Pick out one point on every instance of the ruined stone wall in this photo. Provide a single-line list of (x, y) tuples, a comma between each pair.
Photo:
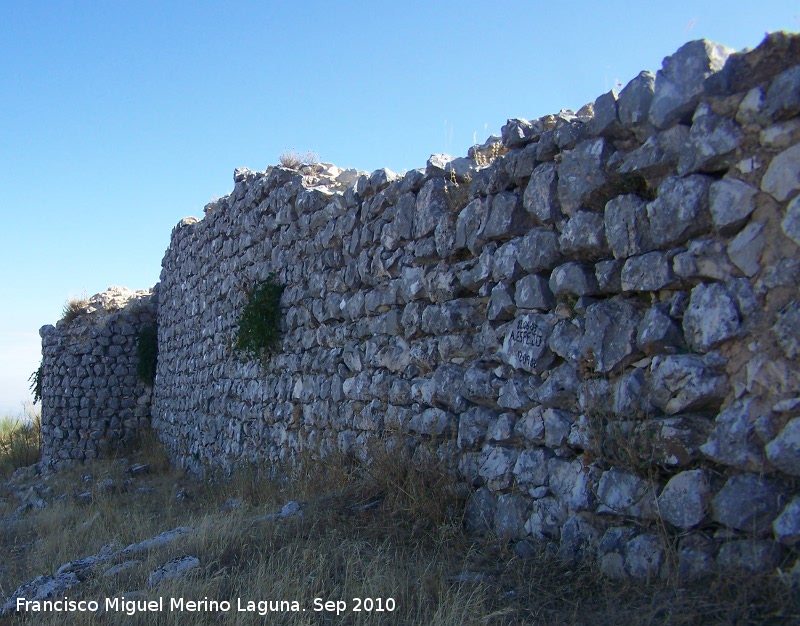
[(92, 399), (593, 318)]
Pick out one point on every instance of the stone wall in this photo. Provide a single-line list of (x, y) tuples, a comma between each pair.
[(92, 399), (592, 319)]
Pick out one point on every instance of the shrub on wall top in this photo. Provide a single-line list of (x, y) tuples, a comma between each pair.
[(259, 324)]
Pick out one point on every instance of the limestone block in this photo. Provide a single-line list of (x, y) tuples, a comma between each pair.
[(573, 279), (605, 122), (622, 493), (518, 132), (680, 211), (627, 227), (480, 512), (541, 194), (679, 82), (582, 176), (538, 250), (609, 276), (784, 451), (530, 470), (511, 514), (749, 555), (658, 155), (731, 202), (610, 336), (782, 100), (570, 483), (786, 526), (497, 468), (648, 272), (507, 218), (533, 292), (704, 258), (684, 382), (782, 178), (711, 317), (791, 222), (746, 248), (583, 236), (747, 503), (711, 144), (644, 556), (685, 500), (470, 224), (547, 517), (734, 440), (658, 333), (579, 539), (635, 99)]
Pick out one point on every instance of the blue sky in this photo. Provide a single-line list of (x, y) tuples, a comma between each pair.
[(117, 119)]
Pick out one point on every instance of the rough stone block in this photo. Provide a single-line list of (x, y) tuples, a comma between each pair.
[(791, 222), (541, 194), (583, 236), (635, 99), (680, 211), (683, 382), (582, 176), (746, 248), (731, 202), (547, 517), (533, 292), (711, 144), (685, 499), (622, 493), (627, 227), (610, 336), (734, 440), (575, 279), (507, 218), (711, 317), (538, 250), (648, 272), (782, 178), (786, 526), (782, 100), (747, 503), (679, 82), (784, 451)]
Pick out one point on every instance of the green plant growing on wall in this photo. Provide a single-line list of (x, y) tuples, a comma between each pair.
[(147, 352), (35, 380), (259, 324)]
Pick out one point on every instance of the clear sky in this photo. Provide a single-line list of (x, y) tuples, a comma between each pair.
[(117, 119)]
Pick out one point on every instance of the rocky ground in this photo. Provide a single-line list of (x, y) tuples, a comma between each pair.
[(131, 540)]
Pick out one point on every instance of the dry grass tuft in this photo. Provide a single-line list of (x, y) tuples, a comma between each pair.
[(74, 308), (295, 160)]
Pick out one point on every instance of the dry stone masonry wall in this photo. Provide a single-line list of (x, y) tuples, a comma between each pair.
[(92, 399), (592, 319)]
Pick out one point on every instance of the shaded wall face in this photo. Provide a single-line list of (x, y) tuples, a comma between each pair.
[(92, 399), (592, 301)]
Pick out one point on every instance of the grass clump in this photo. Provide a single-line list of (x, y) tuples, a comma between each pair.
[(294, 160), (147, 354), (259, 325), (73, 309)]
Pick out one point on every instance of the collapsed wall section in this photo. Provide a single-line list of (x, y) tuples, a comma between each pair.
[(92, 398), (592, 319)]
